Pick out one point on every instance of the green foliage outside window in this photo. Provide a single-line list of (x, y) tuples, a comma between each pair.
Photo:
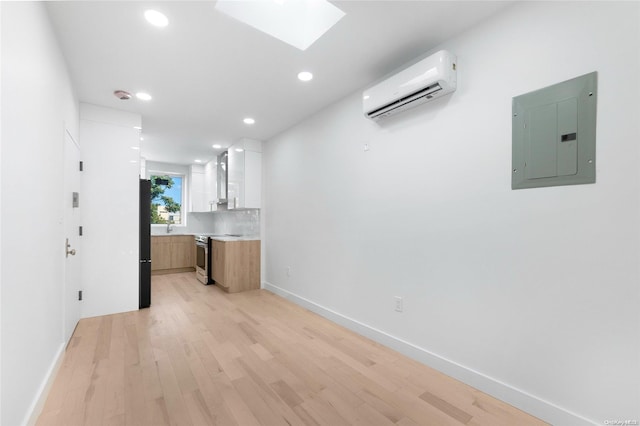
[(162, 205)]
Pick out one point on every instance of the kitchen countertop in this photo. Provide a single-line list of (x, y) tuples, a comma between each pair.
[(221, 237), (235, 238)]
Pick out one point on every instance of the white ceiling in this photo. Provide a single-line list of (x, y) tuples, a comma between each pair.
[(206, 71)]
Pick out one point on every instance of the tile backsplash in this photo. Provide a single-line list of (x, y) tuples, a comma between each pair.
[(241, 222)]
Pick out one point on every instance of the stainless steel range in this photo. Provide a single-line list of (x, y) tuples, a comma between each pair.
[(202, 258)]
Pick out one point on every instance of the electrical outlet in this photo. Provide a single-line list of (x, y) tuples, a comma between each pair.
[(366, 147), (399, 306), (288, 271)]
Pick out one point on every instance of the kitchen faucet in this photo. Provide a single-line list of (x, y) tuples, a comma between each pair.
[(169, 228)]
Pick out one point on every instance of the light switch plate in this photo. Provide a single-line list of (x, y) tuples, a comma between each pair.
[(554, 134)]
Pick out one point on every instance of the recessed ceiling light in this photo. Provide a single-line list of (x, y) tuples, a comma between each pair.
[(135, 147), (156, 18), (216, 146), (141, 138), (143, 96), (239, 149), (137, 127), (305, 76), (249, 120), (198, 161)]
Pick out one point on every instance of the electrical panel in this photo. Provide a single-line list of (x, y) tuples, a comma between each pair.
[(554, 135)]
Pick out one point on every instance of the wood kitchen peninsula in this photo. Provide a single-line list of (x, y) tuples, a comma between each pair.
[(236, 263), (172, 253)]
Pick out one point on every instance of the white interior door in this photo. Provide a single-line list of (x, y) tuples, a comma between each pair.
[(73, 251)]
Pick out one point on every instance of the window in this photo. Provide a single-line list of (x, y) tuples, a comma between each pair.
[(166, 199)]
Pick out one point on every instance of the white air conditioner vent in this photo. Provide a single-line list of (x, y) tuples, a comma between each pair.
[(428, 79)]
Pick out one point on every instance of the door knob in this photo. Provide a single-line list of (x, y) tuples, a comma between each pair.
[(68, 252)]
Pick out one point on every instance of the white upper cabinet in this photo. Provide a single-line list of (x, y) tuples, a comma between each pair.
[(210, 184), (245, 174), (198, 196), (202, 180)]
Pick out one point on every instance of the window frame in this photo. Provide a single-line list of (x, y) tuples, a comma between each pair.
[(183, 200)]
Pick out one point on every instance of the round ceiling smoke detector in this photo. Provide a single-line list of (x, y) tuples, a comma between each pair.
[(122, 95)]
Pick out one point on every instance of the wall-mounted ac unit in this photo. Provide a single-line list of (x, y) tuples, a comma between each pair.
[(428, 79)]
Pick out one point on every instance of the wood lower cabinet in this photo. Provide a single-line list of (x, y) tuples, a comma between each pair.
[(183, 251), (236, 265), (160, 253), (218, 262), (170, 254)]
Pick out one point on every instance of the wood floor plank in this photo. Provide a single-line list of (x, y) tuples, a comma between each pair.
[(446, 407), (286, 375), (160, 413), (383, 407), (178, 356), (368, 416), (104, 339), (406, 422), (72, 408), (260, 377), (305, 416), (262, 353), (200, 356), (238, 408), (323, 412), (116, 420), (151, 381), (198, 409), (132, 353), (95, 395), (172, 396), (286, 393), (257, 403), (135, 405), (225, 356), (343, 408), (114, 394)]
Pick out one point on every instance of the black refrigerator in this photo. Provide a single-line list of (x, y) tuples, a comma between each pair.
[(145, 244)]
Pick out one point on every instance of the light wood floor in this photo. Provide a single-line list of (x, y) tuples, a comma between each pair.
[(200, 356)]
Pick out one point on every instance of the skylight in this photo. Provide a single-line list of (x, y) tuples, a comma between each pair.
[(296, 22), (156, 18)]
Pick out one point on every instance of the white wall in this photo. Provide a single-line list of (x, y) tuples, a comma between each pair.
[(1, 83), (37, 104), (110, 210), (531, 295)]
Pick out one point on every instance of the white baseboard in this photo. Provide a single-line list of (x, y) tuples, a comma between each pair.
[(41, 397), (531, 404)]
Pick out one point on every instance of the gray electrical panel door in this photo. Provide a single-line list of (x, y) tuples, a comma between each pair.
[(554, 134)]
